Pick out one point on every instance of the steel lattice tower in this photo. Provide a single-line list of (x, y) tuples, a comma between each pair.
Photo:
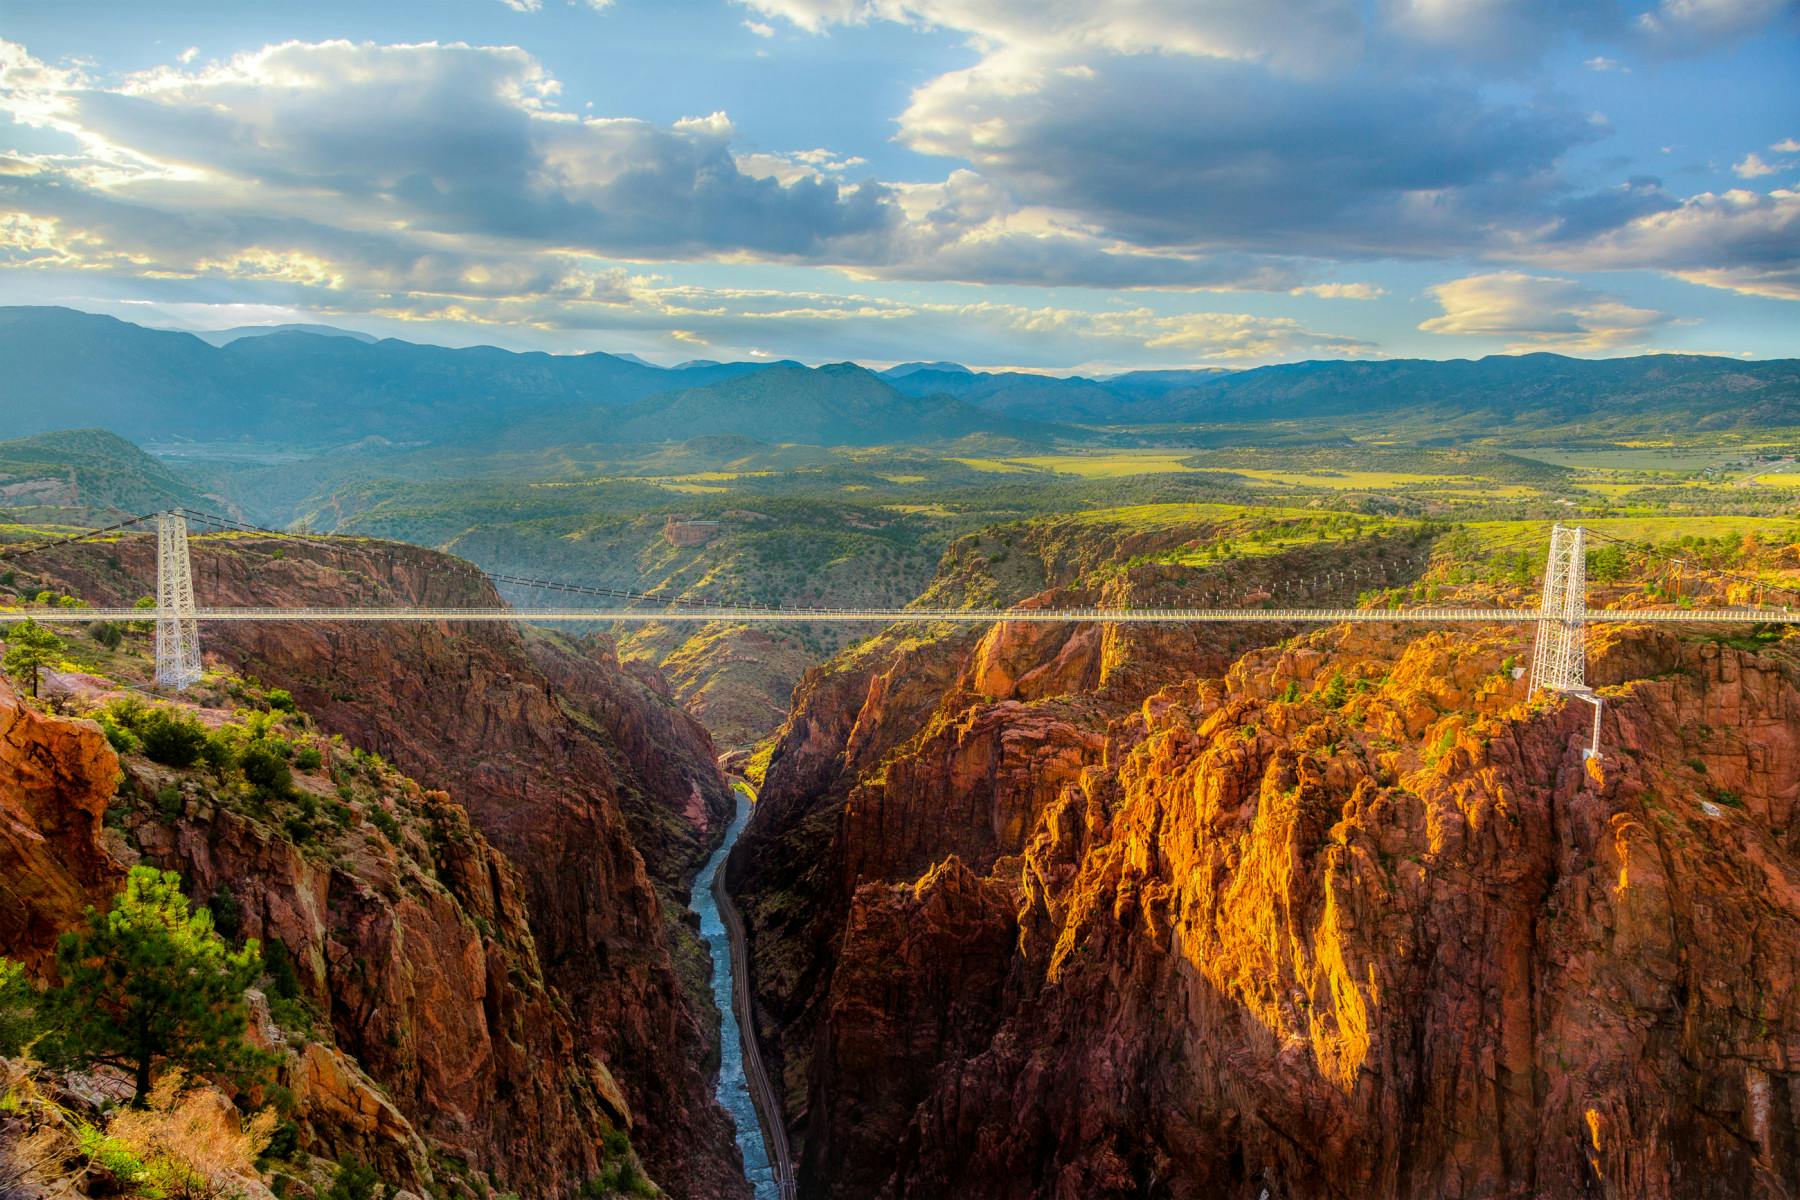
[(177, 633), (1558, 659)]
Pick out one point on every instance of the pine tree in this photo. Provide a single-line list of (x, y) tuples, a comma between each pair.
[(29, 648), (18, 1005), (151, 983)]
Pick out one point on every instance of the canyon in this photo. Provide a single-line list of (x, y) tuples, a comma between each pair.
[(1033, 910), (520, 984), (1081, 912)]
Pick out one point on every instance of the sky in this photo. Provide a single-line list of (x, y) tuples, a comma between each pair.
[(1060, 185)]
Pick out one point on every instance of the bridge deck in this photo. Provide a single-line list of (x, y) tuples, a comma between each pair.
[(1131, 616)]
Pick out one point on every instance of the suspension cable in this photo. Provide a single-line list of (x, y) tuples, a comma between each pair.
[(17, 552)]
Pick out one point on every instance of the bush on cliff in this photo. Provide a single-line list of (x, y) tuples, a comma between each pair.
[(18, 1009), (170, 738), (151, 983), (265, 768)]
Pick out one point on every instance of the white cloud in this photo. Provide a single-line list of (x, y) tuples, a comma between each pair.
[(1602, 63), (1341, 291), (451, 169), (1687, 24), (1299, 32), (1535, 312), (1751, 166), (524, 6), (760, 29), (1740, 240), (1786, 146)]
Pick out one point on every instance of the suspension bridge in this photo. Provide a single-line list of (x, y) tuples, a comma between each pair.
[(1560, 618)]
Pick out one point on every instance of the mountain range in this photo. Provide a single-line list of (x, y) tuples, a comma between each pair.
[(307, 387)]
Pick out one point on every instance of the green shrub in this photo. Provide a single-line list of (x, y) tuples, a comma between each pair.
[(169, 804), (107, 633), (355, 1180), (284, 1143), (227, 914), (383, 820), (278, 966), (265, 768), (219, 753), (118, 736), (18, 1009), (170, 738), (308, 758), (280, 699)]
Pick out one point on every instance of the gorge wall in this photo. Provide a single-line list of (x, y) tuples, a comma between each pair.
[(548, 989), (1076, 912)]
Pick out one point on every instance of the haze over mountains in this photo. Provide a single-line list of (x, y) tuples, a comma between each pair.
[(307, 387)]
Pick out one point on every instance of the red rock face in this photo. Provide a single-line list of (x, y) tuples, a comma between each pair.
[(428, 976), (562, 761), (1251, 931), (55, 780)]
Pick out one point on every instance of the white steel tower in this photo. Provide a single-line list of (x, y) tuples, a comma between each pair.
[(177, 633)]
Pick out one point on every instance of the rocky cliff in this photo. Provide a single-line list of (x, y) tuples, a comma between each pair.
[(592, 785), (1063, 913)]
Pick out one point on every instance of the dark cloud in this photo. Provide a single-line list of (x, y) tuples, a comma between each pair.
[(1232, 155)]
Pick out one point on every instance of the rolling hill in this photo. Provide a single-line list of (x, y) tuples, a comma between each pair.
[(840, 404), (88, 469)]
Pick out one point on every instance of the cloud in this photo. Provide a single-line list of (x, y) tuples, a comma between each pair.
[(1341, 291), (1235, 157), (822, 326), (1688, 25), (1786, 146), (1298, 32), (1602, 63), (447, 140), (1751, 166), (302, 152), (1740, 240), (1536, 312), (760, 29)]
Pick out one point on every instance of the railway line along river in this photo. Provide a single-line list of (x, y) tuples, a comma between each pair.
[(744, 1088)]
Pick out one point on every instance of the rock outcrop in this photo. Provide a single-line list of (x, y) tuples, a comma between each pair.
[(55, 780), (562, 760), (1339, 916)]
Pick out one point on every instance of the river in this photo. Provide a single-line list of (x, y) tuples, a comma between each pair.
[(734, 1089)]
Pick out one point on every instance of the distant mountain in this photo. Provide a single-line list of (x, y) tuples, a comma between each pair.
[(88, 468), (643, 362), (1021, 395), (294, 387), (1502, 395), (692, 363), (1498, 396), (840, 404), (912, 368), (304, 389), (222, 337)]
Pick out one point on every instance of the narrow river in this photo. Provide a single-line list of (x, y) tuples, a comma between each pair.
[(734, 1090)]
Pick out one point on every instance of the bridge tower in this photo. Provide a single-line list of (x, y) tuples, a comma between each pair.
[(1558, 659), (177, 632)]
